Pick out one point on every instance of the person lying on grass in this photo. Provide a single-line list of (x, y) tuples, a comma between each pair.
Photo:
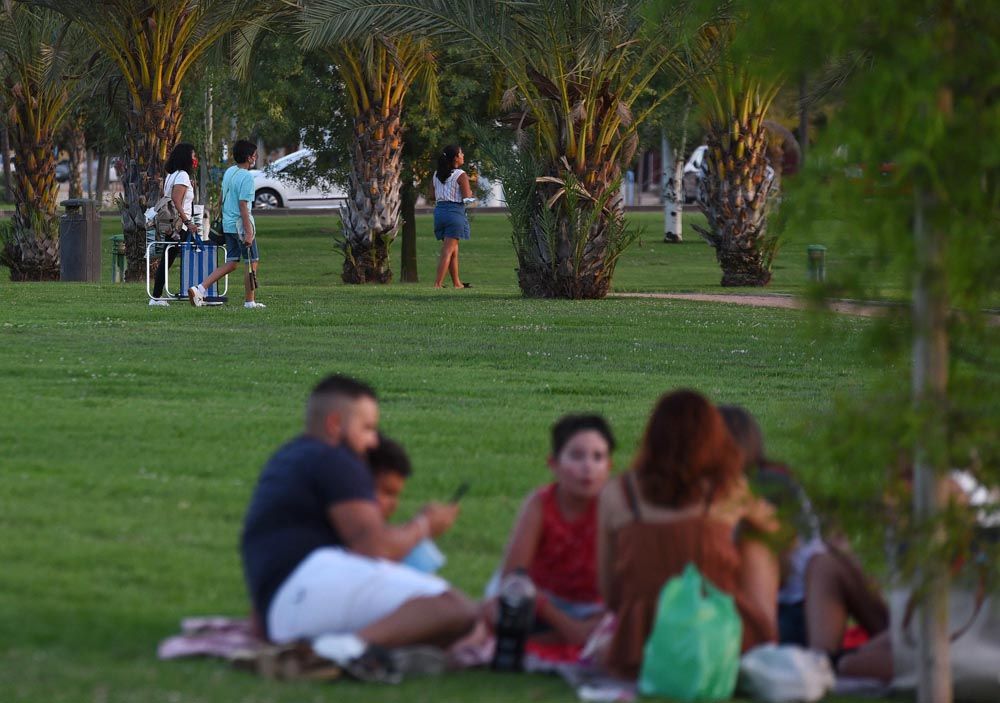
[(318, 558), (554, 539)]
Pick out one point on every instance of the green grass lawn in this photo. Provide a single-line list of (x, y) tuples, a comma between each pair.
[(133, 435)]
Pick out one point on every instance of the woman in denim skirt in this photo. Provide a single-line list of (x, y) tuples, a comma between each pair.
[(451, 189)]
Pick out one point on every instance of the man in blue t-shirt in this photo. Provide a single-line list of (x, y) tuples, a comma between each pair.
[(320, 562), (238, 226)]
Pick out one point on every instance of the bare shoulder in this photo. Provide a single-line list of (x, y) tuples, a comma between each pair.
[(612, 508), (531, 506)]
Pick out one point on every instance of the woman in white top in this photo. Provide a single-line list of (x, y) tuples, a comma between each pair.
[(451, 188), (179, 167)]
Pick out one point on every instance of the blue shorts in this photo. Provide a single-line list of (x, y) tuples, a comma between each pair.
[(450, 221), (792, 624), (235, 251)]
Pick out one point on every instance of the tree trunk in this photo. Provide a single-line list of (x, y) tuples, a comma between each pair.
[(32, 251), (77, 158), (803, 121), (408, 193), (640, 176), (735, 194), (152, 128), (742, 267), (5, 148), (673, 193), (103, 168), (930, 494), (673, 180), (566, 254), (371, 214)]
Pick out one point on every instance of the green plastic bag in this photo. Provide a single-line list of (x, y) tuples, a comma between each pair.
[(693, 652)]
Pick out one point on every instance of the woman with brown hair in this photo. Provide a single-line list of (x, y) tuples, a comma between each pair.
[(685, 500)]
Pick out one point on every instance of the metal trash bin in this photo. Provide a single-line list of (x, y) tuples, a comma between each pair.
[(816, 262), (80, 241), (117, 258)]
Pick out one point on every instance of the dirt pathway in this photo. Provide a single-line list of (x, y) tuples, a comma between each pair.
[(773, 300), (787, 301)]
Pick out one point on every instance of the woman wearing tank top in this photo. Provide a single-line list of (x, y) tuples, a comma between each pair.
[(179, 167), (451, 187)]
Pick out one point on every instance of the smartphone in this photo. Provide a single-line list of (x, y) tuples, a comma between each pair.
[(459, 492)]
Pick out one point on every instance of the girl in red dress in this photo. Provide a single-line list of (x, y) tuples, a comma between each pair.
[(554, 539)]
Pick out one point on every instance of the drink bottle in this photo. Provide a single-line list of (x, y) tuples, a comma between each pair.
[(514, 622)]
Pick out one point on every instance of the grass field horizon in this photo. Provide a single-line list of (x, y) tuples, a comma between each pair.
[(134, 435)]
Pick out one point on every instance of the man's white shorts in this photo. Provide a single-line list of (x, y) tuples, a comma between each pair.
[(334, 591)]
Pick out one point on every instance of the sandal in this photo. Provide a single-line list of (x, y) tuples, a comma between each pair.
[(291, 662), (376, 665)]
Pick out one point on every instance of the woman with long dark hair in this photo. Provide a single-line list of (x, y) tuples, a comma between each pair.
[(178, 187), (451, 190), (685, 500)]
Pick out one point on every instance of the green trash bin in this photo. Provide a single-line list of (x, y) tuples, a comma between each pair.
[(817, 262), (118, 258)]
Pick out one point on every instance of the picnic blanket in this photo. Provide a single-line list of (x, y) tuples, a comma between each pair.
[(212, 636)]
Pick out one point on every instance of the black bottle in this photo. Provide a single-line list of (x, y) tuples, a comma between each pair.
[(514, 622)]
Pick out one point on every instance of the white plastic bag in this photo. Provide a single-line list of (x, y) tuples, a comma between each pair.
[(784, 673)]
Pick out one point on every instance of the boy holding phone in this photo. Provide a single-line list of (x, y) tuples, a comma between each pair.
[(390, 467)]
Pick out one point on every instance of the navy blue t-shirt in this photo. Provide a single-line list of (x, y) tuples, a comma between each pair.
[(288, 515)]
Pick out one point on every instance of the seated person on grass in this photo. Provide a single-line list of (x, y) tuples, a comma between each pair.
[(554, 538), (822, 582), (390, 467), (319, 559)]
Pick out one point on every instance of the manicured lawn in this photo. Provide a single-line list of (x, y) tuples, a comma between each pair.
[(133, 436)]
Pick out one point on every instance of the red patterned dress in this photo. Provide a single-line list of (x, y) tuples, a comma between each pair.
[(565, 561)]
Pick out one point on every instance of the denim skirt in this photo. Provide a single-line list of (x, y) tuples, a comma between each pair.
[(450, 221)]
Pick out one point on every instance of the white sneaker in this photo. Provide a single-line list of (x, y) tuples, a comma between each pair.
[(153, 302), (340, 648), (253, 304), (196, 294)]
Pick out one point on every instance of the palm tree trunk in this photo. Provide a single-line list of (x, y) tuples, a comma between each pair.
[(32, 252), (371, 215), (152, 128), (567, 252), (742, 267)]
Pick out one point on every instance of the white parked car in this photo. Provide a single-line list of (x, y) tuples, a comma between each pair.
[(490, 193), (694, 169), (272, 189)]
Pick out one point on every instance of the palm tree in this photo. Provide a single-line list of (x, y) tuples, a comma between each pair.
[(574, 69), (153, 44), (377, 72), (738, 183), (36, 81)]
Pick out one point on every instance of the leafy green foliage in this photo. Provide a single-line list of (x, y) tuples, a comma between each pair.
[(913, 87)]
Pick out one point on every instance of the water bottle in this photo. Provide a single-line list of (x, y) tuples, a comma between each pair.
[(516, 616)]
